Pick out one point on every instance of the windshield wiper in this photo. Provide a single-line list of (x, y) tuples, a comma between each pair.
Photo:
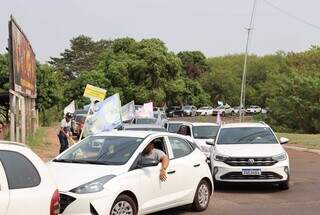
[(80, 161)]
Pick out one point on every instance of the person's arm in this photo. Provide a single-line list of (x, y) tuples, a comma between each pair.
[(164, 165)]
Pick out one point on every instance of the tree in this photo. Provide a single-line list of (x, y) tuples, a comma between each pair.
[(83, 55), (4, 73), (49, 90), (194, 63)]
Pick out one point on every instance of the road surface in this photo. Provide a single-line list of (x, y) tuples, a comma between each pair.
[(303, 197)]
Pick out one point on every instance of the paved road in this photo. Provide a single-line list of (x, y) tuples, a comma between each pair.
[(303, 197)]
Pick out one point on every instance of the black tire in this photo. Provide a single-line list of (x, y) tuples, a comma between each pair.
[(284, 185), (197, 205), (127, 199)]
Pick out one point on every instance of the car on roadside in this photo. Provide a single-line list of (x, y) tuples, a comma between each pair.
[(236, 110), (224, 110), (144, 120), (173, 126), (251, 153), (26, 186), (174, 111), (200, 132), (77, 124), (253, 109), (189, 110), (107, 174), (143, 127), (205, 111)]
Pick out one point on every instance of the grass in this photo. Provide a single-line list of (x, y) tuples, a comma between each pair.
[(37, 140), (310, 141)]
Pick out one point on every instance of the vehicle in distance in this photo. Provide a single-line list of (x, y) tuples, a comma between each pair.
[(236, 110), (250, 152), (107, 174), (205, 111), (142, 127), (26, 184), (174, 111), (253, 109), (144, 120), (223, 110), (201, 133), (189, 110), (173, 126)]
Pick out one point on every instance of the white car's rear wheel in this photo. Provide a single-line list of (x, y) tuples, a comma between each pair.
[(124, 205), (202, 196)]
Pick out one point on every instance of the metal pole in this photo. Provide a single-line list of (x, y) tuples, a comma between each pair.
[(244, 75)]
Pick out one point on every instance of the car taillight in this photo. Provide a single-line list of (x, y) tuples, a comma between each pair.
[(55, 203)]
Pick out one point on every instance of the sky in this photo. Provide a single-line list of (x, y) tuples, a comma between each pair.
[(215, 27)]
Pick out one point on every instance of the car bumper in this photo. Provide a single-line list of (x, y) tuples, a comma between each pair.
[(275, 173), (84, 204)]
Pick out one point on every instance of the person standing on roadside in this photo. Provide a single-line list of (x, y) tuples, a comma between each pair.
[(65, 132)]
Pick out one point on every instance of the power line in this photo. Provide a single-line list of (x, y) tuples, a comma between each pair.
[(292, 15)]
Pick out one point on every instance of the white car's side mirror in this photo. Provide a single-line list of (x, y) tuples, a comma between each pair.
[(210, 142), (284, 140)]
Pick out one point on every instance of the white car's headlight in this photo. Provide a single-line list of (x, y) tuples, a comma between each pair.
[(280, 157), (93, 186), (219, 157)]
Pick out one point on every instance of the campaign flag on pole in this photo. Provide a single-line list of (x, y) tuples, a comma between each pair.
[(128, 111), (71, 108), (106, 118), (145, 111)]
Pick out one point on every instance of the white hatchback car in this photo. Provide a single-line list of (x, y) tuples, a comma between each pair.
[(250, 152), (26, 186), (106, 174)]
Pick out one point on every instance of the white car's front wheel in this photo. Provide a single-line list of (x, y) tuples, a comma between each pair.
[(202, 196), (124, 205)]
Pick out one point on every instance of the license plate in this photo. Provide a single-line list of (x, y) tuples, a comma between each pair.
[(251, 172)]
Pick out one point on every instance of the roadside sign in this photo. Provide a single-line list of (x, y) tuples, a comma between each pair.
[(94, 93)]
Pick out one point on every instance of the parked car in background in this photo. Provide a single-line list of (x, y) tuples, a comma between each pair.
[(201, 132), (236, 110), (144, 120), (77, 124), (253, 109), (250, 152), (174, 111), (26, 186), (224, 110), (173, 126), (189, 110), (142, 127), (205, 111), (107, 174)]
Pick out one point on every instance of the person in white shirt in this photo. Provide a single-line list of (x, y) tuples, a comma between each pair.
[(65, 132)]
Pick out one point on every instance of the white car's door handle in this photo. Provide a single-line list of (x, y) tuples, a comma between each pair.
[(196, 165), (172, 172)]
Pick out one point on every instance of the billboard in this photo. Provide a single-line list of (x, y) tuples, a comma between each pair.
[(23, 62)]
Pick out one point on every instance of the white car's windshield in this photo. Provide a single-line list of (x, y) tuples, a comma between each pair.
[(246, 135), (146, 121), (174, 127), (102, 150), (205, 132)]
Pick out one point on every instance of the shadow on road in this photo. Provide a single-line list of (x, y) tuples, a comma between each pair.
[(247, 188)]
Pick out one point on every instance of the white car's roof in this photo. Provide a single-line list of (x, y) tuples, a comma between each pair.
[(201, 124), (125, 133), (10, 143), (178, 122), (244, 124)]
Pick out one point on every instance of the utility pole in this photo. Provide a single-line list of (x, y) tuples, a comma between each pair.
[(244, 75)]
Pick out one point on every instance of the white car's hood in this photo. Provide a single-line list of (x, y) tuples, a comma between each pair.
[(71, 175), (249, 150), (202, 142)]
